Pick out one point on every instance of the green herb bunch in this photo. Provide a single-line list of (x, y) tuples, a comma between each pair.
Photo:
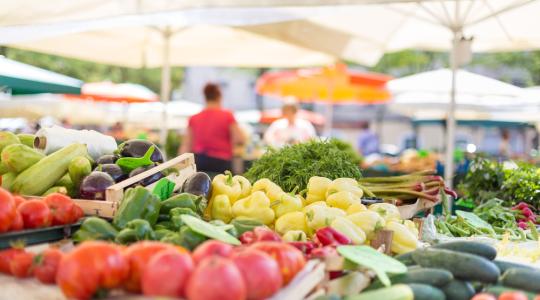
[(292, 166)]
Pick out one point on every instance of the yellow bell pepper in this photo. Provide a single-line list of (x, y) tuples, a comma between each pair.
[(223, 184), (403, 240), (319, 216), (287, 203), (272, 190), (386, 210), (316, 189), (368, 221), (412, 227), (356, 207), (344, 184), (245, 186), (349, 229), (291, 221), (294, 236), (309, 206), (342, 199), (256, 206), (221, 208)]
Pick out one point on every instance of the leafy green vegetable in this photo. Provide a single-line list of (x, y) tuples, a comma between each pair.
[(292, 166), (374, 260)]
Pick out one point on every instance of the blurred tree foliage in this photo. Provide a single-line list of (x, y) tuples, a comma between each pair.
[(92, 72)]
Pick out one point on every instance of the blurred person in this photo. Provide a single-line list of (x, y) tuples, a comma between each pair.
[(117, 131), (212, 134), (289, 129), (368, 142), (505, 148)]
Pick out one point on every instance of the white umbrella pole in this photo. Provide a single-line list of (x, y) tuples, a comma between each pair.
[(451, 121), (165, 83)]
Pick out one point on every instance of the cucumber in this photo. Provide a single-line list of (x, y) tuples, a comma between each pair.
[(18, 157), (476, 248), (406, 259), (7, 180), (523, 279), (27, 139), (395, 292), (429, 276), (41, 176), (458, 290), (66, 182), (426, 292), (79, 167), (497, 290), (505, 265), (8, 138), (459, 264)]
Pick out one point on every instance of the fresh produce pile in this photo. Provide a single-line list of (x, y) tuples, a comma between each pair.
[(491, 219), (512, 183), (18, 213), (215, 270), (405, 189), (292, 166), (453, 271)]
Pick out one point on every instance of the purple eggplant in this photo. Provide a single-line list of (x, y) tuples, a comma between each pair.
[(137, 148), (148, 180), (94, 185), (114, 170), (107, 159)]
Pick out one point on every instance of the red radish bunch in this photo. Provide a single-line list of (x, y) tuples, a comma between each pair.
[(524, 214)]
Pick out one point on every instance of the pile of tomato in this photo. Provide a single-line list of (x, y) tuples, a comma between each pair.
[(215, 270), (18, 213)]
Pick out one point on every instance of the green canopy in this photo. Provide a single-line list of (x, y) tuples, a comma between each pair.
[(21, 78)]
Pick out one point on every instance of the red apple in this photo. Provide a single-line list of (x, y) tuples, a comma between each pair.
[(210, 248), (166, 274), (260, 272), (216, 278)]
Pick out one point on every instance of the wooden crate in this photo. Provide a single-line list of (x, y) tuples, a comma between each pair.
[(185, 164)]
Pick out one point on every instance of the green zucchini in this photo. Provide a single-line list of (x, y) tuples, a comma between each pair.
[(18, 157), (505, 265), (476, 248), (523, 279), (56, 189), (497, 290), (27, 139), (41, 176), (395, 292), (3, 168), (66, 182), (8, 138), (429, 276), (426, 292), (458, 290), (7, 180), (459, 264), (78, 168), (406, 259)]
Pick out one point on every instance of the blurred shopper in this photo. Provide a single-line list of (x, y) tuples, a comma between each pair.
[(289, 130), (505, 148), (212, 134), (368, 142)]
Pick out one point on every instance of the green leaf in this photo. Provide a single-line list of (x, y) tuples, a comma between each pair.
[(374, 260), (209, 230), (163, 189), (473, 219), (129, 164)]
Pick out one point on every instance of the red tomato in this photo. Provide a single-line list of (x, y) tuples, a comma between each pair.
[(512, 296), (61, 207), (7, 210), (6, 256), (170, 264), (216, 278), (46, 265), (18, 200), (484, 296), (89, 267), (21, 265), (290, 259), (211, 247), (260, 272), (18, 223), (35, 214), (78, 213), (138, 255)]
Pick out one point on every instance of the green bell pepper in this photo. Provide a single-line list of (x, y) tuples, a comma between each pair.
[(181, 200), (160, 233), (136, 230), (232, 231), (243, 225), (94, 228), (138, 203), (186, 238), (176, 214)]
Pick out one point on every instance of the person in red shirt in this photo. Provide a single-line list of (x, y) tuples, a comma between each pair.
[(212, 133)]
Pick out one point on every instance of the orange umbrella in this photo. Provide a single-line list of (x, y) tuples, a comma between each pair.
[(334, 84), (269, 116), (115, 92)]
